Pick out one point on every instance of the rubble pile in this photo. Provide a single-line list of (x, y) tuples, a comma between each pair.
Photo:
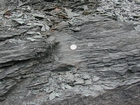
[(121, 10)]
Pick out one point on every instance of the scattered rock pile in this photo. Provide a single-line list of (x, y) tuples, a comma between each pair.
[(121, 10)]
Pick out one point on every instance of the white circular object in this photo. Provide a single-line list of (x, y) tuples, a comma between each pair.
[(73, 47)]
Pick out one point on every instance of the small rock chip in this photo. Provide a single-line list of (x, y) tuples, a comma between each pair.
[(31, 39), (66, 86), (49, 0), (95, 78), (86, 77), (39, 15), (70, 76), (137, 28), (53, 95), (88, 82), (90, 44), (86, 12), (77, 29), (79, 81)]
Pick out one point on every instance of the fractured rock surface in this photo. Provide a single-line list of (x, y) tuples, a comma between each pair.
[(39, 68), (107, 56)]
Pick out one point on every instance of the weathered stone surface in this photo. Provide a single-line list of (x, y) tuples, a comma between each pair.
[(107, 55), (106, 50)]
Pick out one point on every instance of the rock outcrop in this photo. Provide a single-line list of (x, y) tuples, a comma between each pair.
[(107, 56), (38, 65)]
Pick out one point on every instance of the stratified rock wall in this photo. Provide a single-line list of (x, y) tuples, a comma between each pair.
[(38, 64)]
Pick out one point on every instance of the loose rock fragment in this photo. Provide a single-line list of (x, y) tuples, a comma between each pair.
[(19, 20), (137, 28), (71, 14), (79, 81), (86, 77), (95, 78), (39, 15), (77, 29), (53, 95), (66, 86), (88, 82), (31, 39)]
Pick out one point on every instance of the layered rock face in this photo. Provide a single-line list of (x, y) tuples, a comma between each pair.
[(107, 56), (18, 57), (37, 68)]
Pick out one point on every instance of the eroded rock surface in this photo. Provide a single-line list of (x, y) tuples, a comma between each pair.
[(39, 68), (107, 56)]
